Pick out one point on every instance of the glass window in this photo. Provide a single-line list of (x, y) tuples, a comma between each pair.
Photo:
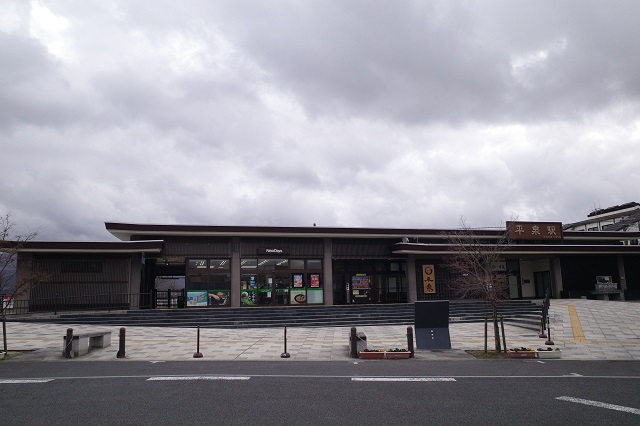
[(219, 263), (249, 263), (296, 264), (220, 282), (271, 264), (197, 264), (314, 264)]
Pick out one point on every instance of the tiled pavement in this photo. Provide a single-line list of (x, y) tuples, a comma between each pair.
[(583, 329)]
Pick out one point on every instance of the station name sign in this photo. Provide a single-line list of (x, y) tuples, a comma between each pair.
[(534, 231), (273, 250)]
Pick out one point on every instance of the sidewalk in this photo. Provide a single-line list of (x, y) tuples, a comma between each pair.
[(583, 329)]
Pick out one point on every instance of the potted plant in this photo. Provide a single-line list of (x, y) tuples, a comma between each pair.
[(549, 353), (372, 354), (522, 352), (398, 353)]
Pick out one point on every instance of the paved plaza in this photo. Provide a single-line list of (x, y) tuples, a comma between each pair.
[(582, 329)]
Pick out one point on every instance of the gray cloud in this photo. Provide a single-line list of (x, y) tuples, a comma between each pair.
[(347, 113)]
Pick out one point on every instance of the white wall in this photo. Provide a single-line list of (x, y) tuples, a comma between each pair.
[(527, 269)]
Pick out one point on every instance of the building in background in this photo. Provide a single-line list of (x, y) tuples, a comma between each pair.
[(625, 217), (249, 266)]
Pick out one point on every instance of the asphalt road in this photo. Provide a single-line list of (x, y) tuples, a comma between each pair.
[(513, 392)]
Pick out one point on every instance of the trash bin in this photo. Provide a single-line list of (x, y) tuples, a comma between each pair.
[(361, 341), (181, 303)]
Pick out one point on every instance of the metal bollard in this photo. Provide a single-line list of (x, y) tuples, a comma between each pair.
[(486, 336), (353, 344), (285, 354), (410, 342), (549, 341), (504, 339), (542, 334), (121, 343), (68, 343), (198, 354)]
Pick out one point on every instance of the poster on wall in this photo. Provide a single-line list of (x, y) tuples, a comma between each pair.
[(196, 298), (297, 280), (314, 280), (360, 281), (429, 279), (298, 297), (218, 298)]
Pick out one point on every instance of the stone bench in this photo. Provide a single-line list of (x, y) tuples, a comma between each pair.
[(604, 294), (81, 344)]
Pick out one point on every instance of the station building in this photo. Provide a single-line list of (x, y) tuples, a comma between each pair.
[(248, 266)]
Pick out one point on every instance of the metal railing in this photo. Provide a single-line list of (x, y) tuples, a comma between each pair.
[(544, 318), (156, 299)]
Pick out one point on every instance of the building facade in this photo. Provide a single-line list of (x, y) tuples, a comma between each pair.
[(249, 266), (625, 217)]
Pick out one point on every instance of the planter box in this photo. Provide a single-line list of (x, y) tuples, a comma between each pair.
[(550, 354), (397, 355), (371, 355), (522, 354)]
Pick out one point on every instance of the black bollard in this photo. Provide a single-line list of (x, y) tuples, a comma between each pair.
[(353, 344), (410, 342), (121, 343), (504, 339), (542, 334), (285, 354), (68, 343), (198, 354), (486, 336), (549, 341)]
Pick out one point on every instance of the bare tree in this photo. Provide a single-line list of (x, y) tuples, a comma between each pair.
[(473, 264), (12, 284)]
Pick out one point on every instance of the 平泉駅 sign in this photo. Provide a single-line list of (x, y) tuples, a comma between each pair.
[(534, 230)]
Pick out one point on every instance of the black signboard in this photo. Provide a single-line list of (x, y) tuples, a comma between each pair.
[(273, 251), (432, 324)]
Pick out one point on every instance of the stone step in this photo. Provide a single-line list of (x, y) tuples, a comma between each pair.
[(306, 316)]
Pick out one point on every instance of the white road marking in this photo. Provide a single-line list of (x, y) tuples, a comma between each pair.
[(175, 378), (403, 379), (599, 404), (20, 381)]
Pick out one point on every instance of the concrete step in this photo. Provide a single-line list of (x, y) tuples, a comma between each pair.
[(524, 313)]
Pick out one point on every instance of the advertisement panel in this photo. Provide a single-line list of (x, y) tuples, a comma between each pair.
[(360, 282), (298, 297), (314, 280), (196, 298)]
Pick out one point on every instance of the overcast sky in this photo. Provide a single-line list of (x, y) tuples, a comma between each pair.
[(338, 112)]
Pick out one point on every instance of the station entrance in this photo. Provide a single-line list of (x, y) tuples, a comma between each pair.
[(369, 282)]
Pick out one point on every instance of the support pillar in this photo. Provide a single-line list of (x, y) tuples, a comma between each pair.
[(327, 272)]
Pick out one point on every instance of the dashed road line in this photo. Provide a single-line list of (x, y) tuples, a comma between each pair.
[(403, 379), (178, 378), (23, 381), (599, 404)]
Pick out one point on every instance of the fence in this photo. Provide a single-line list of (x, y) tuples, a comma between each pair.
[(156, 299)]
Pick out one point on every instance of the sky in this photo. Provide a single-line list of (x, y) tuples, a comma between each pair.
[(345, 113)]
